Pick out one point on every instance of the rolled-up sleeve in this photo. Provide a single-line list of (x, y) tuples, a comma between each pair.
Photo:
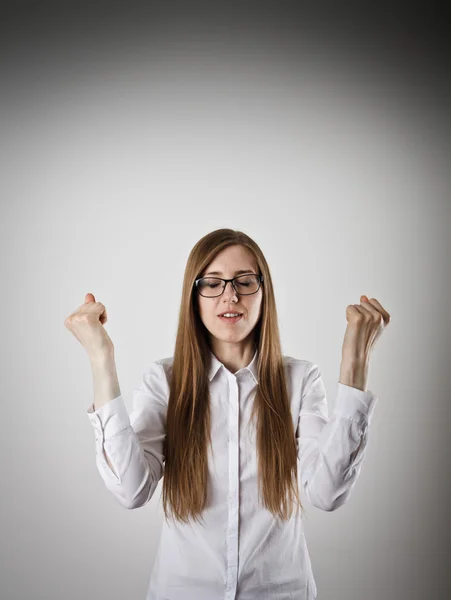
[(133, 443), (331, 450)]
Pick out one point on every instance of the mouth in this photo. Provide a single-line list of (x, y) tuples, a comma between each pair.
[(231, 320)]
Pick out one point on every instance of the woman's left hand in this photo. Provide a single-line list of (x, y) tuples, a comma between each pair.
[(366, 322)]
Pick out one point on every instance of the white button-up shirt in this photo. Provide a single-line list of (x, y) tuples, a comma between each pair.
[(240, 551)]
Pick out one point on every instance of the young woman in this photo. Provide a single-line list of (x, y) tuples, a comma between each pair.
[(234, 427)]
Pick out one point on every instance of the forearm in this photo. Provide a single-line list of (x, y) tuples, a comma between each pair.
[(136, 474), (106, 384), (354, 373)]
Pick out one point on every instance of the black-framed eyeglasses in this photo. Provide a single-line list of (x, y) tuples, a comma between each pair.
[(244, 285)]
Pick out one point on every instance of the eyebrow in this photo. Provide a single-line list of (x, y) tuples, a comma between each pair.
[(236, 272)]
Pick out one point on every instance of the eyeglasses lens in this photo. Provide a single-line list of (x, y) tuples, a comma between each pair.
[(211, 286)]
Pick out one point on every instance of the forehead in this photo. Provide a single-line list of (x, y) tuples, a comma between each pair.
[(232, 259)]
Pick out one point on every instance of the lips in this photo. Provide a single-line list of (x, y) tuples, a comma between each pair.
[(230, 320)]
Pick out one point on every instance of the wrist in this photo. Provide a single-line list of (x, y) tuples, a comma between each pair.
[(102, 356), (354, 373)]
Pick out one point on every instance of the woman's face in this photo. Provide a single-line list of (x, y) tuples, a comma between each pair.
[(226, 264)]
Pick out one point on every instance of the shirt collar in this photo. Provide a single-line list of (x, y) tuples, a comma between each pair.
[(216, 364)]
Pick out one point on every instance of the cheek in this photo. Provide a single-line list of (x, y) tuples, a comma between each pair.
[(205, 311), (257, 307)]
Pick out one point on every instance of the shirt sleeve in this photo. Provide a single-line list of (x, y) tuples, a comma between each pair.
[(133, 443), (331, 450)]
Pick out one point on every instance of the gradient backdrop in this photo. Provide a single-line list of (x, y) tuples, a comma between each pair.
[(130, 131)]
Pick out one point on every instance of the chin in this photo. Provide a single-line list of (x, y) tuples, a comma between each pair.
[(233, 336)]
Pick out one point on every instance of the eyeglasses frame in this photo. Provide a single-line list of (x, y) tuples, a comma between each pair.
[(260, 278)]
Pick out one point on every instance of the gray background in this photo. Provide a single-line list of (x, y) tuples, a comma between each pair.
[(127, 136)]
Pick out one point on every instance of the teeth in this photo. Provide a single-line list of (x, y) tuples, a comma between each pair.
[(230, 315)]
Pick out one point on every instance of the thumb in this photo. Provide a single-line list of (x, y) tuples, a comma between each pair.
[(89, 297)]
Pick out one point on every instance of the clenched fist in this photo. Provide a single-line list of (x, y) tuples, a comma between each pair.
[(366, 323), (87, 325)]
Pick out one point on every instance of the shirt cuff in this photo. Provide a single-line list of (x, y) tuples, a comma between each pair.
[(352, 402), (111, 418)]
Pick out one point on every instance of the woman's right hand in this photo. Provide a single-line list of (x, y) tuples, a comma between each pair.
[(87, 325)]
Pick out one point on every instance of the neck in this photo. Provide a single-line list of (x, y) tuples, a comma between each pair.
[(234, 356)]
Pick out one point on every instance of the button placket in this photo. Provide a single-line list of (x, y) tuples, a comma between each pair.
[(233, 497)]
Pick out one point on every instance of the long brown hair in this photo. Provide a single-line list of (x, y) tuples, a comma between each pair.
[(188, 414)]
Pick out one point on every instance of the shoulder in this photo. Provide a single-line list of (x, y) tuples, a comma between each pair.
[(300, 371), (164, 365), (158, 372), (298, 365), (165, 362)]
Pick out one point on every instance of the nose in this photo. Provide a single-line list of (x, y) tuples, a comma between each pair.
[(229, 292)]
